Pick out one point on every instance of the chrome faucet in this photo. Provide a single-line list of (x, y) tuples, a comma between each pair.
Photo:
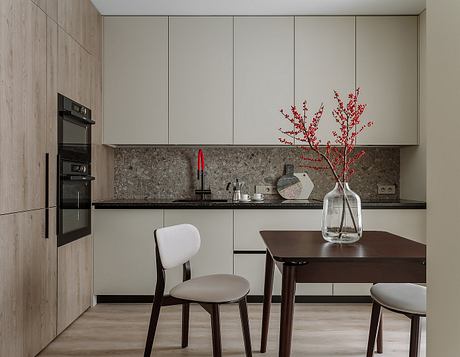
[(200, 174)]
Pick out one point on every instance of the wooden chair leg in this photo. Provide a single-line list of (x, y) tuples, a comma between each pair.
[(380, 336), (153, 324), (185, 324), (375, 319), (414, 336), (215, 325), (245, 324)]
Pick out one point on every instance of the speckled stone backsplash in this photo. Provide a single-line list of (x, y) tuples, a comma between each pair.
[(170, 172)]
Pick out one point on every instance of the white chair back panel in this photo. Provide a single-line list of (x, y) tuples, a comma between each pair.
[(177, 244)]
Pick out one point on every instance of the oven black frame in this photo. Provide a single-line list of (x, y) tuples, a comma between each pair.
[(67, 154)]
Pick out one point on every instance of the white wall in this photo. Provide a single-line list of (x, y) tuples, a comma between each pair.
[(413, 158), (443, 168)]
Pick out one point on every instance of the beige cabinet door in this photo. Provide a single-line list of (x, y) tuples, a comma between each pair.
[(75, 272), (216, 231), (124, 254), (28, 279), (264, 78), (135, 80), (324, 62), (387, 73), (22, 106), (200, 80), (249, 223)]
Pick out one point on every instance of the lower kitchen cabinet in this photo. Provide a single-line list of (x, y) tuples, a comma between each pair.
[(28, 283), (75, 272), (124, 255), (248, 224), (216, 231)]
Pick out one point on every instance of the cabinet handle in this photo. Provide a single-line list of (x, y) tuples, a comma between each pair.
[(47, 199)]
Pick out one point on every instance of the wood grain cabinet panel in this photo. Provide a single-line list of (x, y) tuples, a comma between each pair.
[(324, 62), (22, 106), (75, 271), (50, 7), (264, 77), (28, 278), (51, 107), (136, 80), (79, 19), (386, 64), (200, 80), (74, 69)]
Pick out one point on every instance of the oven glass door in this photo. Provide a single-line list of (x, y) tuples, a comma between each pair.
[(75, 135), (75, 208)]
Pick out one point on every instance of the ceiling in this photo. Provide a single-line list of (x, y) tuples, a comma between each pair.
[(260, 7)]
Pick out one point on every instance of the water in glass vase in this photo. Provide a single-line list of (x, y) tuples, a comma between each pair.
[(342, 221)]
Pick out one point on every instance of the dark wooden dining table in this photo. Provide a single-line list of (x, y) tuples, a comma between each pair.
[(305, 257)]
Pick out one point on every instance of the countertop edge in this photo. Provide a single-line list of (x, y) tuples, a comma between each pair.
[(236, 205)]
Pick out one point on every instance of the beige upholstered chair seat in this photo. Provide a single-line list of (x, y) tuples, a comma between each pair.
[(219, 288), (406, 298)]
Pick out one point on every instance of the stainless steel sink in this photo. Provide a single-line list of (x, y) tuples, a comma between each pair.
[(190, 200)]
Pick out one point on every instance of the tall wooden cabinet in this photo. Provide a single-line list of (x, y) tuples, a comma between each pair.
[(28, 280), (387, 72), (75, 272), (264, 78), (22, 106), (200, 80)]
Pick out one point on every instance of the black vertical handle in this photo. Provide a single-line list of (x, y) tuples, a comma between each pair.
[(47, 199)]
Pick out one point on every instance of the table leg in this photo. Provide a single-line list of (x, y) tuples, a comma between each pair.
[(287, 310), (268, 290), (380, 336)]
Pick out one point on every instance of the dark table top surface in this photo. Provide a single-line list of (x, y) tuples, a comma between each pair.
[(303, 246)]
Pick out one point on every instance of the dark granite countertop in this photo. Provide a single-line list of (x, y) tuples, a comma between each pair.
[(267, 204)]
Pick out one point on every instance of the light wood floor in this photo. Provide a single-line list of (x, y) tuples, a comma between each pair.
[(320, 330)]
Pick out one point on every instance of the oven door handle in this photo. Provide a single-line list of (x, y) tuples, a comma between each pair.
[(70, 114), (81, 178)]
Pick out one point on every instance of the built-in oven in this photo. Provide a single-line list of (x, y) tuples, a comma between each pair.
[(74, 128), (74, 216), (74, 171)]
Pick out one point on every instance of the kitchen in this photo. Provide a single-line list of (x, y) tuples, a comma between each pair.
[(121, 119)]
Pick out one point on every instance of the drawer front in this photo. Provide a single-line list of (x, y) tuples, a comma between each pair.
[(248, 224), (252, 267)]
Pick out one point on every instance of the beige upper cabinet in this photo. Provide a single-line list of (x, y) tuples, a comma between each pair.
[(264, 77), (324, 62), (200, 80), (387, 74), (135, 80)]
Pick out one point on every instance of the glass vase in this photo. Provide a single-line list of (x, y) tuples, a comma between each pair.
[(342, 222)]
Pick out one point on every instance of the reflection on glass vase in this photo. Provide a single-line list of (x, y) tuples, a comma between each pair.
[(342, 221)]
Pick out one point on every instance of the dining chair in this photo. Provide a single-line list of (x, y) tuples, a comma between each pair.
[(406, 299), (175, 246)]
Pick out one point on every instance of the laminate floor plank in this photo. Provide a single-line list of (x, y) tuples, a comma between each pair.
[(320, 330)]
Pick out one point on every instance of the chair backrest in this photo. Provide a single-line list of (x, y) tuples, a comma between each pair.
[(177, 244)]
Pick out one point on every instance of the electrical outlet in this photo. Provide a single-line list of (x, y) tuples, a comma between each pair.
[(386, 189), (266, 190)]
